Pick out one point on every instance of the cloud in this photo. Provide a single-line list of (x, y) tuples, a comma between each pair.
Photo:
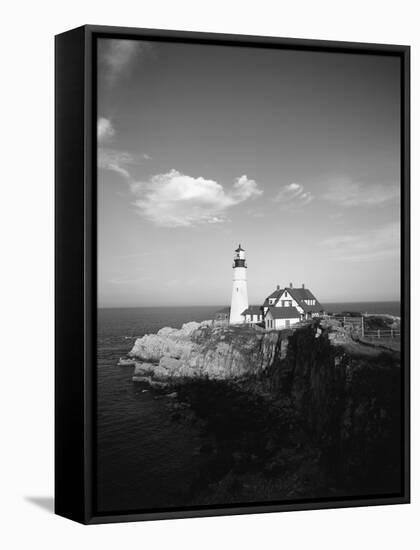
[(174, 199), (105, 129), (112, 159), (346, 192), (116, 161), (376, 244), (117, 56), (244, 189), (294, 195)]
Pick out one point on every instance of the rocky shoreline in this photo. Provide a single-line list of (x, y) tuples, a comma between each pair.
[(203, 351), (216, 351), (307, 412)]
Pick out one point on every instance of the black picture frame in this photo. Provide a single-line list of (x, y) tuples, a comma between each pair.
[(75, 270)]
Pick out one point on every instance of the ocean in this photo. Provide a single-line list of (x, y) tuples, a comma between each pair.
[(146, 460)]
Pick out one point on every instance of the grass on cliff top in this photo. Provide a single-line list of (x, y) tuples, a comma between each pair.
[(372, 349), (241, 335)]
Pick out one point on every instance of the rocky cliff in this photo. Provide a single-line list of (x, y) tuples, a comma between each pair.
[(347, 397), (306, 412), (205, 350)]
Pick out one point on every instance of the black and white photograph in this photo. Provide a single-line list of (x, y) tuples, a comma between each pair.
[(209, 329), (249, 319)]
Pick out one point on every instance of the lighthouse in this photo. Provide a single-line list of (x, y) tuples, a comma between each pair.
[(239, 301)]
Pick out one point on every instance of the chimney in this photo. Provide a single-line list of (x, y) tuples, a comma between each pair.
[(303, 285), (278, 287), (290, 285)]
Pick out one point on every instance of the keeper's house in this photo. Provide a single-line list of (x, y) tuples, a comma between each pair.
[(287, 306), (282, 309), (253, 314)]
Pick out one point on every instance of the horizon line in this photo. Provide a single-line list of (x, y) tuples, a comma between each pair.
[(227, 305)]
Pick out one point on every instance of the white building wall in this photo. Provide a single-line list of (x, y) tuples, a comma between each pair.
[(239, 300), (254, 318), (279, 324), (289, 299), (284, 323)]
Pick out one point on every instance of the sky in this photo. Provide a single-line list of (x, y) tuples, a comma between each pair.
[(293, 154)]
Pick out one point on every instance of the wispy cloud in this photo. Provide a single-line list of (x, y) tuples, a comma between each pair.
[(116, 161), (105, 129), (116, 57), (113, 159), (174, 199), (293, 195), (346, 192), (359, 246)]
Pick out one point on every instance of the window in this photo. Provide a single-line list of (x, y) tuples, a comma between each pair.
[(287, 323)]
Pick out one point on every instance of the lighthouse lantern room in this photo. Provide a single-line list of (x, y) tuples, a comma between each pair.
[(239, 302)]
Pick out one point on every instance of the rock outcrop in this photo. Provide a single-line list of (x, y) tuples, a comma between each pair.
[(204, 350), (348, 397)]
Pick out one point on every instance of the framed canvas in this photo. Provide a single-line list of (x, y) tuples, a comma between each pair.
[(232, 274)]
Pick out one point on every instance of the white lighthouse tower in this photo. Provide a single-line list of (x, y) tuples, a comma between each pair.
[(239, 290)]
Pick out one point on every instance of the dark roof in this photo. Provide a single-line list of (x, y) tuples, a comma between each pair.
[(300, 294), (316, 308), (283, 313), (239, 249), (253, 310), (276, 294)]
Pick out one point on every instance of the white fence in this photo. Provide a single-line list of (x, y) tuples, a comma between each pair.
[(357, 326), (382, 333)]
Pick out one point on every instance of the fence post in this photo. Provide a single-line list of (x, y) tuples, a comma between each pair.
[(363, 327), (344, 320), (379, 333), (392, 333)]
